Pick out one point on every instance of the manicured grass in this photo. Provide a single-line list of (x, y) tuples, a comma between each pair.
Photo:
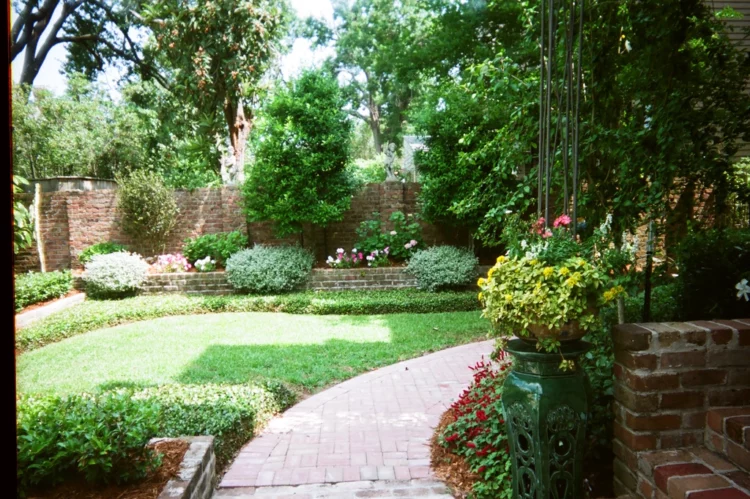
[(304, 351), (94, 314)]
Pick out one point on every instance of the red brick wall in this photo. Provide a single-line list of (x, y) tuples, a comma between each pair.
[(74, 220), (667, 376)]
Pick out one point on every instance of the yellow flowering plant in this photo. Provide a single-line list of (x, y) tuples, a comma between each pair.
[(529, 298)]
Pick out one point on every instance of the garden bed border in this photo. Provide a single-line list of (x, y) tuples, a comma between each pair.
[(197, 474)]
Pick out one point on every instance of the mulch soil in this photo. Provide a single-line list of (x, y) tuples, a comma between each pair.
[(150, 488), (449, 467)]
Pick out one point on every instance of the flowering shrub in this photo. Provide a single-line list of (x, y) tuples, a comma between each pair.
[(478, 433), (219, 247), (168, 264), (378, 258), (344, 261), (403, 240), (443, 267), (205, 264), (114, 275)]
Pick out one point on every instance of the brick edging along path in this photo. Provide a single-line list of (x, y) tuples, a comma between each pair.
[(376, 426)]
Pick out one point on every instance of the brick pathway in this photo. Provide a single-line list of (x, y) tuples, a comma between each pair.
[(376, 426)]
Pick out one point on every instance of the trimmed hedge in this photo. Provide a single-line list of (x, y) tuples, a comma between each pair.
[(443, 267), (230, 413), (94, 314), (102, 437), (269, 269), (36, 287)]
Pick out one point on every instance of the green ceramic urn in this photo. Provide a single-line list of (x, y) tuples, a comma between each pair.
[(546, 410)]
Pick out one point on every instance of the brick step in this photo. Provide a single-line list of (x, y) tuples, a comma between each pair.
[(728, 434), (693, 473)]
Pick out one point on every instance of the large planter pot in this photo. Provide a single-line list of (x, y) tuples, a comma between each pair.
[(546, 410)]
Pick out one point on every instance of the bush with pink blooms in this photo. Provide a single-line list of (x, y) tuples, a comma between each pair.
[(167, 264)]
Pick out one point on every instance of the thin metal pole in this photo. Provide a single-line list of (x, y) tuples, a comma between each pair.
[(550, 70), (568, 79), (541, 114), (647, 273), (579, 86)]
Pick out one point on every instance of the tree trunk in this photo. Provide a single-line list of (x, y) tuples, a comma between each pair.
[(374, 123), (233, 167)]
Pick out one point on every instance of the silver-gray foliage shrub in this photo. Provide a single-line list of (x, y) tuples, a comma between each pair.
[(114, 275), (269, 269), (443, 267)]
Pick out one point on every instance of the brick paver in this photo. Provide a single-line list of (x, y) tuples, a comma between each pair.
[(375, 427), (424, 489)]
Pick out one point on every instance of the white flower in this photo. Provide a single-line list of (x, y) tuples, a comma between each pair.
[(330, 259), (508, 212), (627, 45), (370, 258), (393, 232), (524, 244), (407, 245), (743, 290), (354, 250), (340, 251), (403, 180)]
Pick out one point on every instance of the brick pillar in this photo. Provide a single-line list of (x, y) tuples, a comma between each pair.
[(667, 375)]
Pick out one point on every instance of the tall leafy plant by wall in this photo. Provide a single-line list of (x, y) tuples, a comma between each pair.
[(148, 209), (301, 174)]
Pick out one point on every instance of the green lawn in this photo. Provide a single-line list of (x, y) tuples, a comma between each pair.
[(305, 351)]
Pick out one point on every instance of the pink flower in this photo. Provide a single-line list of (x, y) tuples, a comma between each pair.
[(360, 255), (413, 243), (563, 220), (387, 249), (547, 233), (539, 226), (407, 245)]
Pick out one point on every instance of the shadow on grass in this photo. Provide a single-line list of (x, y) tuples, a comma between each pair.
[(314, 366)]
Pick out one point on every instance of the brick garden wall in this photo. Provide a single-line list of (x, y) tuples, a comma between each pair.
[(667, 376), (215, 283), (74, 220)]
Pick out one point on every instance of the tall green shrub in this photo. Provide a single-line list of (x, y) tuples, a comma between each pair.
[(149, 210), (301, 171), (218, 247)]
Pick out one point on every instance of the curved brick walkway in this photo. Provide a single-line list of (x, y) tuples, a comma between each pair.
[(376, 426)]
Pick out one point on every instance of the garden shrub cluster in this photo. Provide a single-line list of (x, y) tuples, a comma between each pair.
[(269, 269), (218, 247), (402, 241), (104, 248), (230, 413), (98, 438), (102, 437), (443, 267), (97, 314), (711, 264), (114, 275), (35, 287)]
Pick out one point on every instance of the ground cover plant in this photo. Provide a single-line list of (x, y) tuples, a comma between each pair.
[(306, 352), (35, 287)]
